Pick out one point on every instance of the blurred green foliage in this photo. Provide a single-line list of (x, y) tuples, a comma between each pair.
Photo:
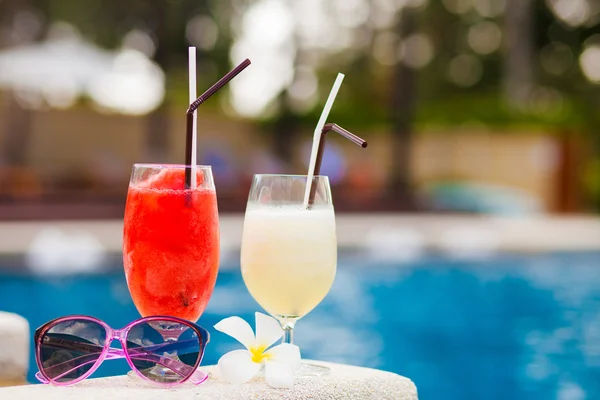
[(562, 100)]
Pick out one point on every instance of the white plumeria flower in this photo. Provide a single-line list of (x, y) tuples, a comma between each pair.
[(281, 362)]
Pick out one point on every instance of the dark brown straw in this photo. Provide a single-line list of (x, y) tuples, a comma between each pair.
[(345, 133), (189, 122)]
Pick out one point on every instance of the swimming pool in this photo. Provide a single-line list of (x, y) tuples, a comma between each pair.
[(512, 326)]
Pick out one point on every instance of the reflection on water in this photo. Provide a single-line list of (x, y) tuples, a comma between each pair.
[(512, 326)]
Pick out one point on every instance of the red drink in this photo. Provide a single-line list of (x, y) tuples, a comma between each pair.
[(171, 241)]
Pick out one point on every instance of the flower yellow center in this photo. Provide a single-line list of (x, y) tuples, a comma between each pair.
[(258, 354)]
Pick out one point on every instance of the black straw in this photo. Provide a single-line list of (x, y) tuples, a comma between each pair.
[(345, 133), (189, 122)]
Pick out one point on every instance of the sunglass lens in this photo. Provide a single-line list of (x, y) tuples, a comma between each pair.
[(70, 348), (163, 350)]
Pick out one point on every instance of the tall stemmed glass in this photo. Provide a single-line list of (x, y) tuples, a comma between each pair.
[(289, 252), (170, 244)]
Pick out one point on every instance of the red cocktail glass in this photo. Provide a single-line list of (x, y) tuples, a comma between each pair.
[(171, 240)]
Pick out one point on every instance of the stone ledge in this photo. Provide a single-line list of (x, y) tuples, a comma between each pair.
[(344, 382), (14, 348), (423, 231)]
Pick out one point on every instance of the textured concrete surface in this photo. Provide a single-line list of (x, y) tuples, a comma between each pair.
[(344, 382)]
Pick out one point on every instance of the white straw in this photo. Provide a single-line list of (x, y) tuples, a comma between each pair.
[(317, 135), (192, 81)]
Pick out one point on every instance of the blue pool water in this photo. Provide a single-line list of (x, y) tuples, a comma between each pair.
[(507, 327)]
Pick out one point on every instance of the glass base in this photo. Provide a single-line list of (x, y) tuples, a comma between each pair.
[(158, 374), (308, 370)]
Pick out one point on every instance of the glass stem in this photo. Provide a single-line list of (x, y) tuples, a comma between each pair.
[(288, 329)]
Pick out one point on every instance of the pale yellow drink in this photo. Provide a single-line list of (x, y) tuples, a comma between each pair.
[(289, 257)]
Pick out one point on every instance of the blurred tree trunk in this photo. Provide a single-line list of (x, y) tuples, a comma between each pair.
[(591, 157), (287, 126), (399, 194), (17, 120), (17, 137), (285, 132), (157, 122), (570, 165), (518, 63)]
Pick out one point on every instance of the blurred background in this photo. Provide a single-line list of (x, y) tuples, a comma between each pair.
[(468, 229)]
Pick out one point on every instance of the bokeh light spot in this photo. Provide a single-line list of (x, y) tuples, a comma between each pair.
[(303, 92), (202, 31), (485, 37), (465, 70), (266, 34), (140, 41), (489, 8), (384, 47), (457, 6), (573, 12), (351, 13), (589, 61), (416, 51), (556, 58)]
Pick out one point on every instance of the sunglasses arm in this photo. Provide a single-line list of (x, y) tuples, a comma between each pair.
[(198, 377), (40, 377)]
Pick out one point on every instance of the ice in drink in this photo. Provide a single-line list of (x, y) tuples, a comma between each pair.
[(171, 245)]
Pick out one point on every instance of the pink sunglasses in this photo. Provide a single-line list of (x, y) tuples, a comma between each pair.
[(165, 350)]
